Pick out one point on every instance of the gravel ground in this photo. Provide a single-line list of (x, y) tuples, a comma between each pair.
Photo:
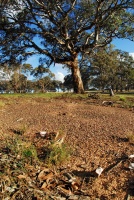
[(96, 134)]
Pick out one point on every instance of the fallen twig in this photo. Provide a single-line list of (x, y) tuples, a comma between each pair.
[(112, 166)]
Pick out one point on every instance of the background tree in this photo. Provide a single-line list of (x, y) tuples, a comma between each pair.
[(104, 66), (68, 82), (42, 82), (56, 85), (16, 76), (125, 70), (62, 31), (18, 82), (30, 86), (112, 69)]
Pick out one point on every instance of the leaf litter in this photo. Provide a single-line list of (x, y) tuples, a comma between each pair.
[(99, 168)]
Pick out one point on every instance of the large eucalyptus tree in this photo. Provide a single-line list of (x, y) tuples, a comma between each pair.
[(62, 31)]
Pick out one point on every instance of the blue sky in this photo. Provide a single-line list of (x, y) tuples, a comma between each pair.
[(122, 44)]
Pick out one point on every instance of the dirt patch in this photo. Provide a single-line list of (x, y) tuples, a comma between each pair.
[(97, 135)]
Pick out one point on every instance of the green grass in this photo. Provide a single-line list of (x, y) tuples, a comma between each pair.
[(62, 94), (58, 155), (124, 99), (48, 95), (125, 95), (2, 104), (127, 100), (22, 149)]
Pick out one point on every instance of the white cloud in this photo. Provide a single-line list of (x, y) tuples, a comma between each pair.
[(132, 54), (59, 76)]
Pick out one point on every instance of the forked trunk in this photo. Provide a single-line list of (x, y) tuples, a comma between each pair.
[(77, 81)]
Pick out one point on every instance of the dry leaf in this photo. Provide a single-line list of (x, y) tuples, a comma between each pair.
[(29, 166), (75, 186), (44, 186), (22, 176), (44, 177), (64, 191)]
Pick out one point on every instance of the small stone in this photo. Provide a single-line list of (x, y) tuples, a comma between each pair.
[(131, 166), (131, 156), (99, 170), (43, 133)]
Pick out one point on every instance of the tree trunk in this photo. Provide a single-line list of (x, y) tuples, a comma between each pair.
[(43, 88), (111, 92), (77, 81)]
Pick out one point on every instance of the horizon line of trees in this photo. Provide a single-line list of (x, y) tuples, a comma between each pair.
[(14, 78), (109, 69)]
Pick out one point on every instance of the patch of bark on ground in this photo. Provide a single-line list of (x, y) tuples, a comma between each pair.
[(98, 136)]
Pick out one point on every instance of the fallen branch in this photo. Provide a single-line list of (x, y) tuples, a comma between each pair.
[(112, 166)]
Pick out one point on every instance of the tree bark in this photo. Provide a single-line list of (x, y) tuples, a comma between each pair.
[(111, 92), (77, 81)]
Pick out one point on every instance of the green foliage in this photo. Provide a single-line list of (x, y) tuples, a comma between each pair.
[(127, 100), (58, 155), (16, 77), (23, 150), (122, 98), (66, 31), (29, 152), (112, 69)]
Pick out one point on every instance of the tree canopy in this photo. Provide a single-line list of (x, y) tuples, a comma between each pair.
[(112, 68), (62, 31)]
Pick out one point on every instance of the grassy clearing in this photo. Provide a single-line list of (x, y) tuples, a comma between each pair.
[(124, 99), (34, 95), (62, 94), (127, 100), (47, 95)]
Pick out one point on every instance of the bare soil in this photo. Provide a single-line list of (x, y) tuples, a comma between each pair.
[(96, 134)]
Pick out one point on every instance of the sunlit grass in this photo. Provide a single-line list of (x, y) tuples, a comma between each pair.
[(44, 95), (47, 95), (125, 99), (2, 104)]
